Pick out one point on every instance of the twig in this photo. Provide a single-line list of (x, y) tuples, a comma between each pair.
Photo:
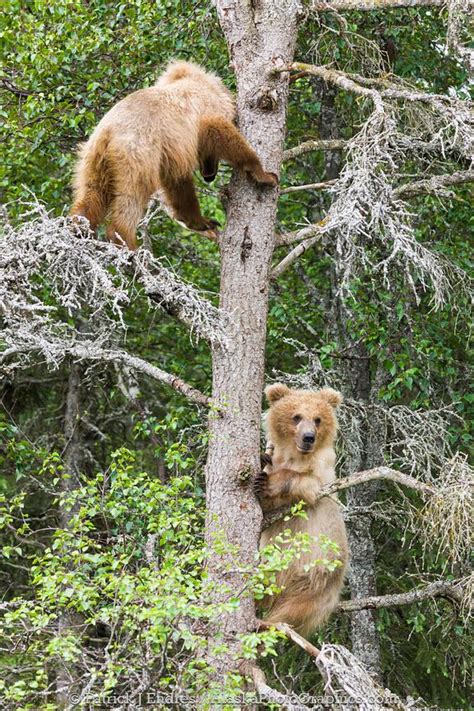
[(272, 695)]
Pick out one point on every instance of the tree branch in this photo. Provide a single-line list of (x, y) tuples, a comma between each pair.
[(291, 634), (9, 86), (332, 144), (308, 236), (378, 474), (310, 186), (298, 235), (440, 588), (433, 184), (341, 79), (368, 5), (300, 249), (138, 364)]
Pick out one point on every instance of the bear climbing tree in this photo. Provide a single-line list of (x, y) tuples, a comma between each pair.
[(301, 428), (153, 140)]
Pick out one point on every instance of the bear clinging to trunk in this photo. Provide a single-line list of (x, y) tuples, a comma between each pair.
[(301, 427), (154, 139)]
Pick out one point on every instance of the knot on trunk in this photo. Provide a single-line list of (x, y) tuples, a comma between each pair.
[(265, 99)]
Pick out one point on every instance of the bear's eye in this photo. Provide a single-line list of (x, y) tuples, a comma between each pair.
[(317, 420), (296, 419)]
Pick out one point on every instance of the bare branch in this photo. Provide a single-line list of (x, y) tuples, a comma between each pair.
[(343, 674), (376, 474), (309, 186), (369, 5), (303, 234), (450, 590), (332, 144), (289, 632), (88, 352), (373, 227), (297, 251), (434, 184)]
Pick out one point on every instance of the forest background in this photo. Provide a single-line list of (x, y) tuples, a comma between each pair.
[(120, 557)]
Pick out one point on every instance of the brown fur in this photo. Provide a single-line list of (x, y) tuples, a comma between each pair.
[(308, 597), (154, 139)]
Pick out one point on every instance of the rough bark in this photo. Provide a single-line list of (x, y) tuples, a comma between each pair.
[(260, 37), (362, 569)]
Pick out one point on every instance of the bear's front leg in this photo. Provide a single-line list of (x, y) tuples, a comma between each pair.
[(275, 484)]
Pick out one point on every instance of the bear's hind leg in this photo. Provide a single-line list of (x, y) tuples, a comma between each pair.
[(182, 199), (91, 204), (125, 214)]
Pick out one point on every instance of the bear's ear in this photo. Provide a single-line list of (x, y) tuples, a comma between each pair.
[(276, 391), (333, 397)]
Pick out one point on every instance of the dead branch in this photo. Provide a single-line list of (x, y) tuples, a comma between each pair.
[(418, 187), (343, 674), (366, 209), (451, 590), (434, 184), (377, 474), (302, 236), (265, 692), (369, 5), (291, 634), (332, 144), (310, 186), (88, 352), (82, 273)]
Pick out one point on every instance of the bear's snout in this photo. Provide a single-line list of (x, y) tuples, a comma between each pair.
[(305, 436)]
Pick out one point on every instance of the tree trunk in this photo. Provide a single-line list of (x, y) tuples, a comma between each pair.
[(261, 37), (356, 381), (66, 674), (362, 567)]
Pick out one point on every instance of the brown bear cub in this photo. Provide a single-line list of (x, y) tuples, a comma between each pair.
[(153, 140), (301, 427)]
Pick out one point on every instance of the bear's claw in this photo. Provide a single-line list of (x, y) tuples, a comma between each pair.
[(260, 483), (265, 460)]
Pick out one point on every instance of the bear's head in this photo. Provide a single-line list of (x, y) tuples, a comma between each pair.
[(305, 419)]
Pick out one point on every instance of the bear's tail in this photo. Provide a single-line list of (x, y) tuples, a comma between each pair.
[(93, 181)]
